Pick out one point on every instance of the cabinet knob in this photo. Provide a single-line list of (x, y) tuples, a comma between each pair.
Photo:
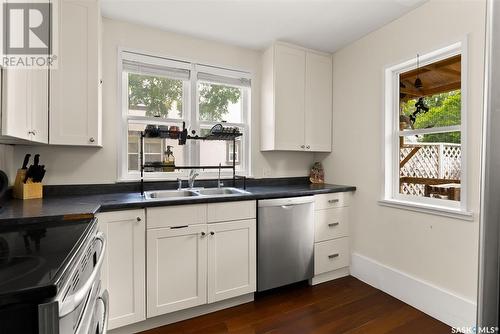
[(203, 234), (212, 233), (32, 132), (91, 139), (302, 146), (138, 219), (308, 147)]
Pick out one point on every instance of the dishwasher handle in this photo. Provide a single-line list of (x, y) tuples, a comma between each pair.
[(285, 202)]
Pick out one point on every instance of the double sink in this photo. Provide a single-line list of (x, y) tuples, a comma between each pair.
[(182, 193)]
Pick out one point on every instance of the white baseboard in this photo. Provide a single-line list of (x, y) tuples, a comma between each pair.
[(328, 276), (443, 305)]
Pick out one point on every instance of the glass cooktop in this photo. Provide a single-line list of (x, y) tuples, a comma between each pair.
[(31, 256)]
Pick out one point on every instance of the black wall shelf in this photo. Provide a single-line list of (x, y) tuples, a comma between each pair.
[(156, 132)]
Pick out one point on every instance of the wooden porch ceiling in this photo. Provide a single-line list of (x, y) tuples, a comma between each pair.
[(439, 77)]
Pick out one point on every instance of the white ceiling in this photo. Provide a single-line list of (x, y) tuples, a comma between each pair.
[(319, 24)]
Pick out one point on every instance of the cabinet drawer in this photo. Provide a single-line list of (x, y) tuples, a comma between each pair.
[(331, 255), (176, 215), (327, 201), (330, 224), (227, 211)]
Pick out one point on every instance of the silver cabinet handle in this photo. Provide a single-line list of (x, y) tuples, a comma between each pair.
[(177, 227), (331, 201), (332, 256), (333, 224), (71, 302), (91, 139)]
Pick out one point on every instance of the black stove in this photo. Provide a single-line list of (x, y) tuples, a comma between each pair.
[(33, 262)]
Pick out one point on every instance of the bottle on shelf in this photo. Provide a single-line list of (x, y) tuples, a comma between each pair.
[(169, 160)]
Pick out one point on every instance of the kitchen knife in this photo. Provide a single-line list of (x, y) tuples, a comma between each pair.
[(41, 174), (32, 170), (26, 160)]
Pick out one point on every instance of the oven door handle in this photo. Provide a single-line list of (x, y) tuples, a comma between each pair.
[(71, 302), (105, 300)]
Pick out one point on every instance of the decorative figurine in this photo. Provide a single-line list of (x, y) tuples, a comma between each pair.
[(317, 173)]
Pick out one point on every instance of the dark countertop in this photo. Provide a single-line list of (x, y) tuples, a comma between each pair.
[(77, 207)]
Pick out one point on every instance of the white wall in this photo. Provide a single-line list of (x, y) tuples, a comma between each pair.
[(6, 161), (438, 250), (71, 165)]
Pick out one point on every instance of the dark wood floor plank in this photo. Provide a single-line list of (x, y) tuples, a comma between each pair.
[(343, 306)]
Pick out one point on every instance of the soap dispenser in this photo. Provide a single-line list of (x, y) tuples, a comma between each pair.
[(169, 160)]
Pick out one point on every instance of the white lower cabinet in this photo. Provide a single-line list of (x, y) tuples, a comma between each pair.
[(176, 268), (199, 262), (231, 259), (123, 272), (155, 265), (331, 237)]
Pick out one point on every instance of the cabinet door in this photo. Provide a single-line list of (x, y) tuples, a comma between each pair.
[(289, 98), (176, 268), (39, 106), (75, 109), (16, 116), (123, 273), (231, 259), (318, 102)]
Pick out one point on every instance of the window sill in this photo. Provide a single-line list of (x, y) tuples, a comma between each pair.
[(429, 209)]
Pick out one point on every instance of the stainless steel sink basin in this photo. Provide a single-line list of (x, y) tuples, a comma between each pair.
[(169, 194), (221, 191)]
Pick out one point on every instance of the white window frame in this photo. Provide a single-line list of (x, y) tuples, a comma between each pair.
[(190, 116), (390, 187)]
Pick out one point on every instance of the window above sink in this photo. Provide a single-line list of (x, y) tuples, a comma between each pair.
[(160, 91)]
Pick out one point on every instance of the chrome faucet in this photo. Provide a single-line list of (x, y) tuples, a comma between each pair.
[(192, 176), (219, 184)]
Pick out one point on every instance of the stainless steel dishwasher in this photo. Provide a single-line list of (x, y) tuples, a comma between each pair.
[(285, 241)]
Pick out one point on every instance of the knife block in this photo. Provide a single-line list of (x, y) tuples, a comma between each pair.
[(28, 190)]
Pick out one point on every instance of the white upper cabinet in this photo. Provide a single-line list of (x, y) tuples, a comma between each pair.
[(296, 99), (318, 102), (25, 105), (289, 98), (75, 86)]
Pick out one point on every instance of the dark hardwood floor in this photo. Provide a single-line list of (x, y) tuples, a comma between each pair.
[(346, 305)]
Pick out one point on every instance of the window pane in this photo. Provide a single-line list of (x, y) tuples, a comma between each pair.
[(220, 103), (213, 152), (430, 165), (133, 162), (442, 110), (155, 96), (430, 95), (154, 149)]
